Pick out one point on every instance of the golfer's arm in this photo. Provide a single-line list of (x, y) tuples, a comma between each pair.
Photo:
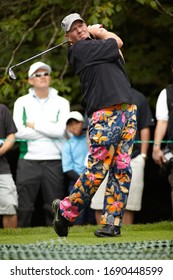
[(104, 34), (101, 33)]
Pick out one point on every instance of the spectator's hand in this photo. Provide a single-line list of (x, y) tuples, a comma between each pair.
[(158, 156), (30, 124)]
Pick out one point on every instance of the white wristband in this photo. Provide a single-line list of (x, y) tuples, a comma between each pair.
[(144, 156)]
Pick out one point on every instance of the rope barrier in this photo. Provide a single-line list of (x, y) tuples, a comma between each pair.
[(33, 140), (58, 140)]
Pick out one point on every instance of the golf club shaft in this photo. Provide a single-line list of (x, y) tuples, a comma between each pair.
[(48, 50)]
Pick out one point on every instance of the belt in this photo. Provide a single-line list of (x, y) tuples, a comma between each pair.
[(122, 107)]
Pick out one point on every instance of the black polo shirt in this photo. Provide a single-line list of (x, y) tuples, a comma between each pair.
[(102, 76)]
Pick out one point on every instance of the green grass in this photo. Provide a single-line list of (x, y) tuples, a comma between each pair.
[(142, 241), (85, 234)]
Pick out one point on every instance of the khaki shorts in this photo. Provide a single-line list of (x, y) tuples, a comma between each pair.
[(134, 202), (8, 195)]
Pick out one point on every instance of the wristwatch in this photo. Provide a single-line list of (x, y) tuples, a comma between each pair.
[(144, 156)]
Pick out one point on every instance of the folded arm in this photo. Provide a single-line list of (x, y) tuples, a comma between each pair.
[(8, 144)]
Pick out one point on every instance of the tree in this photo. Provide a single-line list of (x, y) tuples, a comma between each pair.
[(27, 28)]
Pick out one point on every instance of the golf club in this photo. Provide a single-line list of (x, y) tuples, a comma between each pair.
[(11, 72)]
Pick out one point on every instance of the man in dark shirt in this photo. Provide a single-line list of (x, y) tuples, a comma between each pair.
[(95, 56), (8, 193)]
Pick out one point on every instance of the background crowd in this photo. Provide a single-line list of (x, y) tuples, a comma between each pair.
[(33, 136), (50, 160)]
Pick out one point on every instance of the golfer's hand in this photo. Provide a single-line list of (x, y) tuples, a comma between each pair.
[(158, 156), (95, 29)]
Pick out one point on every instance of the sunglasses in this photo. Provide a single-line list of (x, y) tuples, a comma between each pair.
[(40, 74)]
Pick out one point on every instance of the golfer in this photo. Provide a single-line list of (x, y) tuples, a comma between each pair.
[(95, 56)]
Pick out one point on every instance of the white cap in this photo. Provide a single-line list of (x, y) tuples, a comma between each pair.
[(38, 65), (68, 21), (76, 116)]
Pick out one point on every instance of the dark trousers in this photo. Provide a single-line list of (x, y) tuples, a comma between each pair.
[(34, 176)]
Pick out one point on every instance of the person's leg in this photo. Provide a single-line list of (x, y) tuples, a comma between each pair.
[(98, 214), (80, 220), (70, 207), (102, 150), (120, 174), (9, 221), (90, 216), (28, 184), (128, 217), (52, 186), (170, 180), (134, 201), (8, 201), (98, 200), (99, 161)]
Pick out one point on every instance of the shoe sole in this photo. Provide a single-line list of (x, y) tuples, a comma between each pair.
[(59, 232), (98, 234)]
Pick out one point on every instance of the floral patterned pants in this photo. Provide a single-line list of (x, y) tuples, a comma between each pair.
[(112, 131)]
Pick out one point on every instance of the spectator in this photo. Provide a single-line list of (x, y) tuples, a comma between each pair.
[(74, 154), (40, 119), (139, 156), (8, 192), (95, 56), (164, 127)]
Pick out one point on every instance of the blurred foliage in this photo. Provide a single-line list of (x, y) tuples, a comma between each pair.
[(29, 27)]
